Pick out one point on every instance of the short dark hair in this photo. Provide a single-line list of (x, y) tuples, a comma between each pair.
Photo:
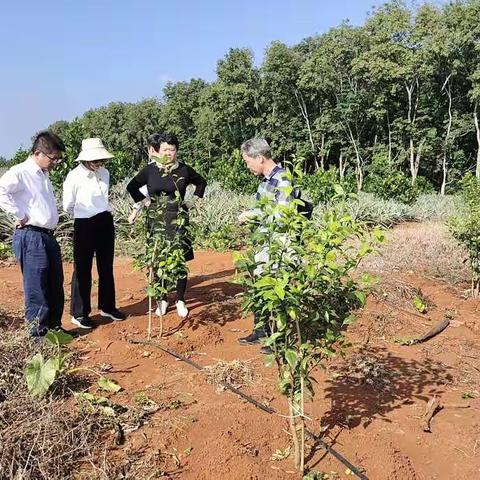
[(156, 139), (47, 142)]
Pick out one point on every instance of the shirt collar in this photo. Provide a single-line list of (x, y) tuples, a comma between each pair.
[(275, 169), (86, 171), (32, 165)]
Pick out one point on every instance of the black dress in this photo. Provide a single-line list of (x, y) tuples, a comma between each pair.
[(170, 187)]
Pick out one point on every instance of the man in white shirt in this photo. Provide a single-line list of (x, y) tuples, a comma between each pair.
[(26, 193), (85, 198)]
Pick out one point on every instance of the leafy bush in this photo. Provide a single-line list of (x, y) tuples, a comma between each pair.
[(233, 175), (385, 180), (5, 251), (466, 228), (319, 187), (298, 283), (20, 156)]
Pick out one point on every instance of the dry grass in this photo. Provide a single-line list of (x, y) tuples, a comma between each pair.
[(421, 247), (237, 373), (62, 435), (401, 294), (39, 439)]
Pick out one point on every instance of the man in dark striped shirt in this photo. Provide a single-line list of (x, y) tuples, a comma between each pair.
[(257, 155)]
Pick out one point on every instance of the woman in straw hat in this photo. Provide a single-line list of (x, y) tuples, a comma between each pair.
[(85, 197)]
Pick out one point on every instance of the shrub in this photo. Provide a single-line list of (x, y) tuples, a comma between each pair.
[(298, 283), (233, 175), (385, 180), (466, 228), (5, 251)]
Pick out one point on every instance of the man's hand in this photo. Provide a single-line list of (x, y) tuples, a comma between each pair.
[(21, 223)]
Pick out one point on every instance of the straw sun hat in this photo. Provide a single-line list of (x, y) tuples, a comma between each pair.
[(93, 149)]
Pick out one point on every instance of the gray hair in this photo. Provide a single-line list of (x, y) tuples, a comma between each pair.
[(255, 147)]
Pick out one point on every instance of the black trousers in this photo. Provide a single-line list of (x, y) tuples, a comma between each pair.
[(93, 236)]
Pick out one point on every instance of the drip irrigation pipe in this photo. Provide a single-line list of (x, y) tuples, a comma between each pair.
[(259, 405)]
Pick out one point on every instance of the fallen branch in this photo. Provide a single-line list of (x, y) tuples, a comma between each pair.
[(433, 332)]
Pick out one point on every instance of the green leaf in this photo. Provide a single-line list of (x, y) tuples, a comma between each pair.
[(284, 385), (365, 249), (281, 323), (151, 291), (269, 360), (291, 357), (109, 385), (330, 256), (40, 375), (266, 281), (339, 189), (379, 235), (419, 304), (268, 341), (349, 320), (58, 337), (362, 298), (280, 291)]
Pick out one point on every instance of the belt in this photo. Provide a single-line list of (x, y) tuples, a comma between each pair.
[(38, 229)]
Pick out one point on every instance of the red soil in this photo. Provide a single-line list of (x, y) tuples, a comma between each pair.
[(376, 421)]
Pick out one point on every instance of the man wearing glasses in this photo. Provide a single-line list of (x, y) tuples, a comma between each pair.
[(26, 193)]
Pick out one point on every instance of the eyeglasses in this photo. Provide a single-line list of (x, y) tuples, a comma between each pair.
[(54, 159)]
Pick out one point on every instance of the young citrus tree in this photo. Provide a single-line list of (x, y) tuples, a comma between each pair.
[(163, 257), (466, 227), (297, 279)]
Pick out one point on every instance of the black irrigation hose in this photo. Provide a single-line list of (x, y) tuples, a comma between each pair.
[(259, 405)]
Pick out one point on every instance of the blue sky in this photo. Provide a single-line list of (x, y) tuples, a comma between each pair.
[(60, 58)]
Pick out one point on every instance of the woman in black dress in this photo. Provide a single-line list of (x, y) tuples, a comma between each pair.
[(165, 178)]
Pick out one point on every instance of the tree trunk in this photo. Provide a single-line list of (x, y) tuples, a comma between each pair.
[(322, 152), (342, 165), (477, 129), (415, 161), (359, 175), (150, 281), (448, 89), (304, 112), (389, 140), (358, 157), (411, 117), (293, 431)]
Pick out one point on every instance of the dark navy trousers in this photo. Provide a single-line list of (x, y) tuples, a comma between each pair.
[(40, 260)]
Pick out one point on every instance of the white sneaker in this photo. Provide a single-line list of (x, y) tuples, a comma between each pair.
[(182, 310), (161, 308)]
